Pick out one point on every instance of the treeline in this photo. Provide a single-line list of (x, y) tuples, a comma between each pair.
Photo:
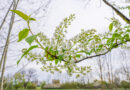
[(22, 80), (95, 85)]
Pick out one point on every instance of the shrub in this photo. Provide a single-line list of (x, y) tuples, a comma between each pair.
[(10, 86), (25, 84), (31, 85), (16, 86), (5, 85), (89, 85), (125, 84), (72, 85), (43, 84)]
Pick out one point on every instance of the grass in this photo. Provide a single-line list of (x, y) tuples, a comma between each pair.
[(83, 89), (68, 89)]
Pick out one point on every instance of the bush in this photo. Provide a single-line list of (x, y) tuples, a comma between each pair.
[(31, 85), (72, 85), (89, 85), (25, 84), (125, 84), (10, 86), (43, 84), (5, 85), (16, 86)]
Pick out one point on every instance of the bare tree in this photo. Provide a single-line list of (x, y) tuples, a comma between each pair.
[(31, 74), (117, 78), (6, 16), (109, 67), (125, 68), (4, 57), (100, 64)]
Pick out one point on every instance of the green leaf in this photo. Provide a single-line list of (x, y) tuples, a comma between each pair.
[(126, 37), (128, 7), (110, 41), (87, 53), (60, 57), (56, 61), (127, 27), (23, 34), (46, 48), (30, 39), (129, 13), (128, 30), (78, 55), (110, 27), (115, 35), (32, 19), (63, 50), (69, 69), (21, 14), (50, 58), (100, 47), (26, 52)]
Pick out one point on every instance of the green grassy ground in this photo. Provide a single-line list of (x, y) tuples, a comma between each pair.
[(83, 89), (71, 89)]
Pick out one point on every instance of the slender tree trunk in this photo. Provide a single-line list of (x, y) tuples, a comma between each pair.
[(1, 61), (7, 44), (110, 71), (2, 58), (111, 68), (101, 72), (6, 16)]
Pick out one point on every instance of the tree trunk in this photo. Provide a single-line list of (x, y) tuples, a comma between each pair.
[(7, 44)]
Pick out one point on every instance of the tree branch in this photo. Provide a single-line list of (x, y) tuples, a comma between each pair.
[(126, 19), (109, 49)]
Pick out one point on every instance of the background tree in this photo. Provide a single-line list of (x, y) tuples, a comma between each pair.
[(100, 64), (4, 56), (31, 74)]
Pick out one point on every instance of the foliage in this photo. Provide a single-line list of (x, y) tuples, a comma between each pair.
[(23, 34), (16, 86), (42, 85), (5, 85), (19, 80), (90, 85), (126, 7), (65, 53), (31, 85), (26, 52), (24, 16), (10, 86), (125, 84), (19, 77), (72, 85)]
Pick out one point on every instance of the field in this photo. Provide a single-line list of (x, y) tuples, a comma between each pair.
[(84, 89), (71, 89)]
